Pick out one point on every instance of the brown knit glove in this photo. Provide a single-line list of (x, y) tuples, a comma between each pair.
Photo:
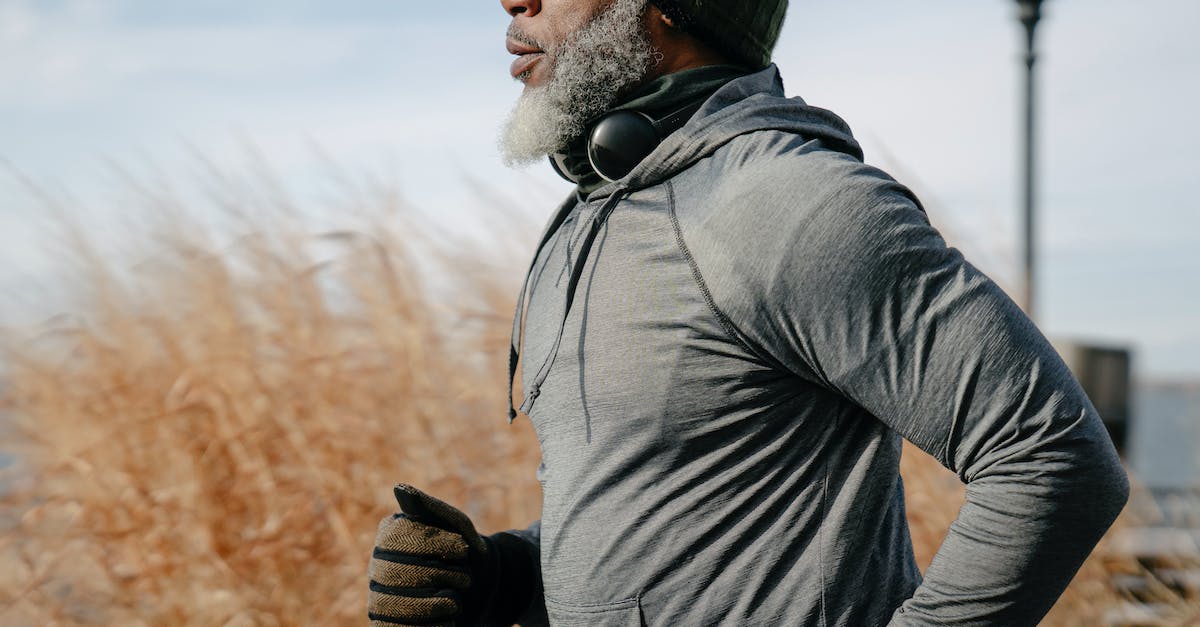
[(429, 567)]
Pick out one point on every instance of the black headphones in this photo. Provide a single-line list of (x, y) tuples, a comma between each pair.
[(620, 140)]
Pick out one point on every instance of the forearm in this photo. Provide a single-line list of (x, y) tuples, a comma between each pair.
[(519, 598), (1026, 527)]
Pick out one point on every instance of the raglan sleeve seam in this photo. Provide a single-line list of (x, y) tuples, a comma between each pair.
[(726, 323), (730, 328)]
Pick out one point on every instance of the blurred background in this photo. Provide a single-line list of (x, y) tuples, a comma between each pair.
[(244, 244)]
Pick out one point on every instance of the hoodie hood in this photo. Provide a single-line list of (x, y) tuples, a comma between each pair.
[(753, 102)]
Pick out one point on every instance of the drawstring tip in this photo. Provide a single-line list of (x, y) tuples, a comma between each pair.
[(530, 398), (512, 415)]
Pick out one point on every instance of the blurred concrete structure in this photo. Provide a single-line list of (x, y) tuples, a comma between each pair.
[(1164, 447), (1106, 376)]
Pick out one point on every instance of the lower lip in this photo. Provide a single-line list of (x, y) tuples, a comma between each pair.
[(525, 62)]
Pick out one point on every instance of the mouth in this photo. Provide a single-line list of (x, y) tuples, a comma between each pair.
[(527, 57)]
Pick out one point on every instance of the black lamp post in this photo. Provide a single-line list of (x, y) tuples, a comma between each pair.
[(1030, 12)]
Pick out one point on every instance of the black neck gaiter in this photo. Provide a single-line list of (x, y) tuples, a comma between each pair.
[(658, 98)]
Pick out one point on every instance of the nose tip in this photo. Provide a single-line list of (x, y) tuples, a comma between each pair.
[(528, 8)]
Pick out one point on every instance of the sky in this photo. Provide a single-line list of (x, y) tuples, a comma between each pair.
[(95, 91)]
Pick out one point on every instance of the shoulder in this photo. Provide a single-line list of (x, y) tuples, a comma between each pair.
[(775, 190)]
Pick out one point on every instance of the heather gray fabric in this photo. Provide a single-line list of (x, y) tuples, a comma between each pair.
[(759, 322)]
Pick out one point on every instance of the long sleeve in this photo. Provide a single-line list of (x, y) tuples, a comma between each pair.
[(522, 569), (860, 294)]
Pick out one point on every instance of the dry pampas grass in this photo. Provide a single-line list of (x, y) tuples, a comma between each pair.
[(212, 438)]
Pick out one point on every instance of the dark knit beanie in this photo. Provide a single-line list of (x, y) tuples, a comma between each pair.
[(746, 30)]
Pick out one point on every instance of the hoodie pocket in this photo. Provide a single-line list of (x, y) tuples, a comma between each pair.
[(626, 613)]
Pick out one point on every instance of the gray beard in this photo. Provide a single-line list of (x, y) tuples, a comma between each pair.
[(592, 67)]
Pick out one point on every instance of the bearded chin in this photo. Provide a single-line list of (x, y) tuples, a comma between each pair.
[(537, 127), (592, 68)]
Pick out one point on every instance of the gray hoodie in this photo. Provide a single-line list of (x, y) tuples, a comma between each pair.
[(760, 319)]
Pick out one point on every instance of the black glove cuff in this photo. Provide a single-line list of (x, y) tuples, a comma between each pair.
[(516, 573)]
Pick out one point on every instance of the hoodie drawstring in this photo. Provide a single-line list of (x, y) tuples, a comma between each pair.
[(518, 330)]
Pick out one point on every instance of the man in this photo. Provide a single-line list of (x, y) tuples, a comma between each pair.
[(727, 334)]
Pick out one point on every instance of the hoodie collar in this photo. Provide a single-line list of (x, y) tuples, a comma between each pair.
[(747, 104), (658, 98)]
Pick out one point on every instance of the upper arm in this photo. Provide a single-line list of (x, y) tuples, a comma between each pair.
[(833, 270)]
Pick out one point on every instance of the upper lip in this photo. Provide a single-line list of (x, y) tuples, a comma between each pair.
[(516, 47)]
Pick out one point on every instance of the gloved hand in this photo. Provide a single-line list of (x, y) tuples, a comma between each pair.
[(430, 567)]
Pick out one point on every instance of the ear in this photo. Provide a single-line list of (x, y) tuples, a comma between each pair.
[(656, 14)]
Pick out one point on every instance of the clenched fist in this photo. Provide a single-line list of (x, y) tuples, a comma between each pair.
[(430, 567)]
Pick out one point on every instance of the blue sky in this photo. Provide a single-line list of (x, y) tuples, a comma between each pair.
[(415, 92)]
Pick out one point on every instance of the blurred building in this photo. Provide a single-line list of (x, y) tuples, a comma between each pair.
[(1105, 374), (1164, 447)]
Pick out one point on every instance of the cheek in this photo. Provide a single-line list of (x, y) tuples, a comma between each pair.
[(568, 17)]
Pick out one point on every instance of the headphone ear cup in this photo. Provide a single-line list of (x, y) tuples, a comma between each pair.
[(619, 141)]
